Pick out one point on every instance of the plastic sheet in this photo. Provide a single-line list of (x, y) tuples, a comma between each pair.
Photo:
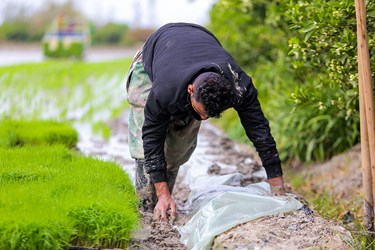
[(228, 207), (207, 181), (201, 196)]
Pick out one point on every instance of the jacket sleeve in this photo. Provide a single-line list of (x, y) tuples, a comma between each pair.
[(153, 134), (258, 131)]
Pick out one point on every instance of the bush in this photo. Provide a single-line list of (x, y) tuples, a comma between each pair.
[(246, 30), (302, 56), (20, 133), (110, 33), (135, 36), (324, 57), (253, 32), (74, 50), (22, 23), (17, 31), (52, 198)]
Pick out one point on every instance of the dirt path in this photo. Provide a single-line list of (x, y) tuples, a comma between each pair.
[(218, 155)]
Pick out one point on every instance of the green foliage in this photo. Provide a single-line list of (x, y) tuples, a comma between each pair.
[(313, 131), (19, 133), (253, 33), (36, 236), (302, 56), (52, 197), (245, 29), (102, 129), (111, 227), (362, 239), (137, 36), (229, 121), (18, 31), (250, 32), (75, 49), (324, 56), (110, 33), (22, 23)]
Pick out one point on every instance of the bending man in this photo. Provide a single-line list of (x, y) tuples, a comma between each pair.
[(181, 76)]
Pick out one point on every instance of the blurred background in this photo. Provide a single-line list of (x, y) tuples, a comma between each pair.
[(88, 23)]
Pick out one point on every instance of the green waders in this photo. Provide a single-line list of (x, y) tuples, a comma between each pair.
[(181, 138)]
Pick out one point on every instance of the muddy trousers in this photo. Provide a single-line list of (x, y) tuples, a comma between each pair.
[(181, 138), (145, 189)]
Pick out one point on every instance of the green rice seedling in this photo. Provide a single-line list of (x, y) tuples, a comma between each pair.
[(52, 198), (20, 132), (35, 236), (111, 227), (102, 129), (63, 90)]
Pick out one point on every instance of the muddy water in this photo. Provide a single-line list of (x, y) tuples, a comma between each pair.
[(31, 53)]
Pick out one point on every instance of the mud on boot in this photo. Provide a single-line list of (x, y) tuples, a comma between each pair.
[(144, 187)]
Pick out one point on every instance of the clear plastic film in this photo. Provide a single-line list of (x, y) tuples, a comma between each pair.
[(221, 207)]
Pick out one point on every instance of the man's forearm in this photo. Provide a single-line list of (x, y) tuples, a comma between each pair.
[(165, 203), (161, 189)]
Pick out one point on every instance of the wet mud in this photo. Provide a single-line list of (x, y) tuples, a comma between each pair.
[(218, 155), (295, 230)]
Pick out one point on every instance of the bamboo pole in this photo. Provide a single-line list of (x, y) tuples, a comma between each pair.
[(367, 114), (368, 200)]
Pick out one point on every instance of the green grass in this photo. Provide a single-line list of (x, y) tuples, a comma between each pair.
[(52, 197), (19, 133)]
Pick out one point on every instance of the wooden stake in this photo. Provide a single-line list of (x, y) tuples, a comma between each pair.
[(368, 200), (367, 114)]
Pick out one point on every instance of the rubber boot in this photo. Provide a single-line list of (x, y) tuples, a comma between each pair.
[(144, 188), (171, 179)]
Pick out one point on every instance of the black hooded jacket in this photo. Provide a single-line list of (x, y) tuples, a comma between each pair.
[(173, 57)]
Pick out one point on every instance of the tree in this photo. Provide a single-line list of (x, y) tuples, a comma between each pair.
[(24, 24), (302, 55)]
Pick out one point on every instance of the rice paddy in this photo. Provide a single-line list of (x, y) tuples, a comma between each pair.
[(53, 197)]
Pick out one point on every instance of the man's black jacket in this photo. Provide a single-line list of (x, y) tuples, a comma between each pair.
[(173, 57)]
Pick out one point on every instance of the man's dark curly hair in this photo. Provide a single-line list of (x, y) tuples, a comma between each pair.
[(214, 92)]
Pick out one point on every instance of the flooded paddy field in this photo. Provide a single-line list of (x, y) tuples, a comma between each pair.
[(92, 97), (18, 53)]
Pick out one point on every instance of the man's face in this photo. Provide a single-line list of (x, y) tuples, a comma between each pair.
[(198, 107)]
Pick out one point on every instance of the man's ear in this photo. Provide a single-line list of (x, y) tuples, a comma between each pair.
[(190, 88)]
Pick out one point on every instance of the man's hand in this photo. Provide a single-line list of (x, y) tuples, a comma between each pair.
[(277, 186), (165, 202)]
